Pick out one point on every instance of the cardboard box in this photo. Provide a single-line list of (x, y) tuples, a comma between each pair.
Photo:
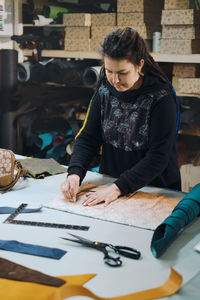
[(104, 19), (138, 18), (180, 17), (190, 176), (130, 19), (77, 19), (177, 4), (186, 85), (146, 31), (186, 70), (77, 45), (138, 5), (95, 44), (169, 46), (179, 32), (80, 33), (99, 32)]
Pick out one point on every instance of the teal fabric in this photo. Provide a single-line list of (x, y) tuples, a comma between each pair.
[(184, 213), (46, 138)]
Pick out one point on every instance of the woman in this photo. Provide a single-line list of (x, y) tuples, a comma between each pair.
[(133, 116)]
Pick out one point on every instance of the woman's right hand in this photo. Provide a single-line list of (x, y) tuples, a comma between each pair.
[(70, 187)]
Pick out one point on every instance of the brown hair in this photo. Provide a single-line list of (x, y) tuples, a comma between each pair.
[(126, 43)]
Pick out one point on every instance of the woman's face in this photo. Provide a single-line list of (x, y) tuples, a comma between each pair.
[(121, 73)]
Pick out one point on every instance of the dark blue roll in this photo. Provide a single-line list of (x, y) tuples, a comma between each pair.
[(8, 69)]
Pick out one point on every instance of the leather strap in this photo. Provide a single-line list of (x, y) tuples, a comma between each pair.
[(11, 270), (32, 249), (17, 290), (171, 286)]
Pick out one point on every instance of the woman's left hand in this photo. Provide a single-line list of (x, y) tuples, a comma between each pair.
[(107, 195)]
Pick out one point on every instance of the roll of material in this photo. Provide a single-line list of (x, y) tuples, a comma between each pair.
[(41, 20), (73, 77), (69, 73), (56, 71), (34, 72), (8, 131), (8, 68), (91, 76), (24, 71), (53, 12)]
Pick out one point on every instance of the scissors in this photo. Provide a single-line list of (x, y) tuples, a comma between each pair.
[(103, 247)]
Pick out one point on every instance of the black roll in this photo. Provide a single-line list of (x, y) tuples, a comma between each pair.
[(31, 72), (91, 76), (8, 68), (24, 71), (8, 131), (66, 72)]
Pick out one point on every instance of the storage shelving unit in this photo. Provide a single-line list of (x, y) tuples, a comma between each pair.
[(170, 58), (165, 59)]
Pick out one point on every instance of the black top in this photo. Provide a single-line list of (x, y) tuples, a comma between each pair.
[(137, 131)]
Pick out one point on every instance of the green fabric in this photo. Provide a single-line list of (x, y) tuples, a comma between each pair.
[(195, 4), (40, 167), (51, 11), (184, 213)]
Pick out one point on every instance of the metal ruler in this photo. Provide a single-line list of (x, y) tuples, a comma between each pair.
[(11, 220)]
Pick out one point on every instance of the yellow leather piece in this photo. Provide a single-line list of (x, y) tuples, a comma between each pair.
[(30, 291), (20, 290), (171, 286)]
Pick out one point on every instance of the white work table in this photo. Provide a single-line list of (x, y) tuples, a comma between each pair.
[(132, 276)]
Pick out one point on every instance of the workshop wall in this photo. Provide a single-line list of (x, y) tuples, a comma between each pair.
[(78, 30)]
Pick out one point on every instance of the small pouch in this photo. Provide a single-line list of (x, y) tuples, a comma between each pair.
[(8, 165)]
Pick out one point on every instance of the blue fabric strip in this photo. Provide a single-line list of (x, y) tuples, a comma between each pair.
[(31, 249), (10, 210)]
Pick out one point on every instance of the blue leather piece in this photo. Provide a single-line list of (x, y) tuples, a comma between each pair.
[(10, 210), (15, 246)]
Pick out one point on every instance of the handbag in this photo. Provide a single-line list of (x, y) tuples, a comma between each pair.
[(10, 170)]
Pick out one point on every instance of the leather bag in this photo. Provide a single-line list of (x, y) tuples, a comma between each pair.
[(10, 170)]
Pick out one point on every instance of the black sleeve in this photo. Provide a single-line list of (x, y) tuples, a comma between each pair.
[(161, 140), (88, 142)]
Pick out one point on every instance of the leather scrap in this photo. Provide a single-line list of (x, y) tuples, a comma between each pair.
[(86, 188), (17, 290), (11, 270), (40, 167), (16, 246), (10, 210), (168, 288)]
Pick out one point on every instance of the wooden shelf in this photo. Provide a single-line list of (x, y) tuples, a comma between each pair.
[(192, 132), (187, 95), (177, 58), (65, 54), (48, 25), (173, 58)]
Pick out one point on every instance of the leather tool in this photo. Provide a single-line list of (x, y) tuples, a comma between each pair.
[(103, 247)]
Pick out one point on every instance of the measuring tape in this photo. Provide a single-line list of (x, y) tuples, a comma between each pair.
[(10, 220)]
